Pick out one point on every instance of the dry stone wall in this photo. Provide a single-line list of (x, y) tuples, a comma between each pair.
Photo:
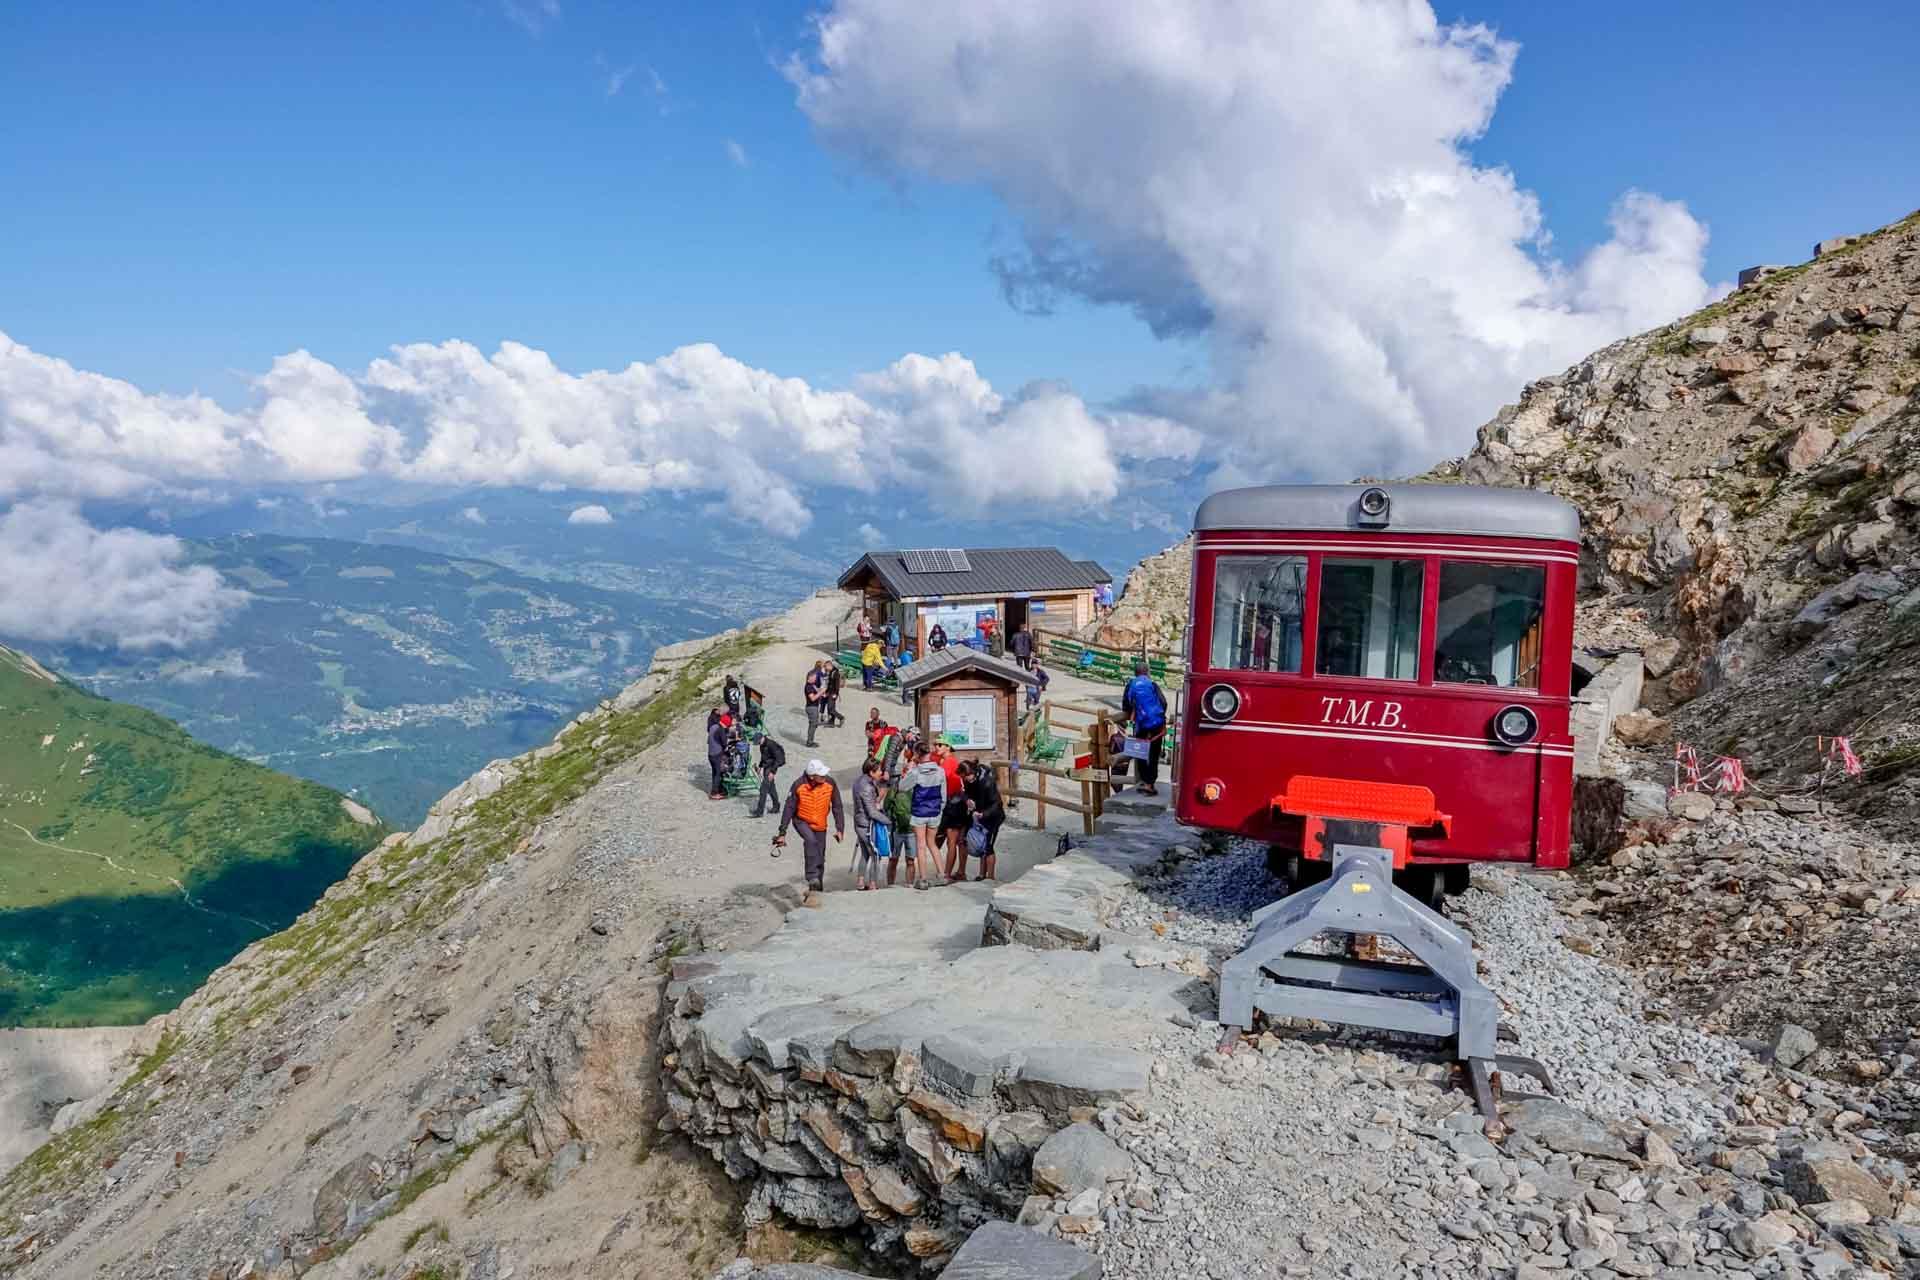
[(872, 1065)]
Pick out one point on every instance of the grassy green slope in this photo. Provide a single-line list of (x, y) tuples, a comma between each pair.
[(134, 860)]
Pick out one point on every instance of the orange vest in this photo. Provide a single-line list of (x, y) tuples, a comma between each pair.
[(812, 802)]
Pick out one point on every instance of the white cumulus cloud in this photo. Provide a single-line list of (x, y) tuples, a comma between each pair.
[(693, 421), (593, 513), (473, 515), (62, 581), (1289, 184), (870, 536)]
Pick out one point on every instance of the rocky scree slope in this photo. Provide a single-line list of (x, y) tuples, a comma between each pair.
[(1750, 494), (437, 1070)]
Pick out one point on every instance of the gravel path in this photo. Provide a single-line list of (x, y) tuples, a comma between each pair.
[(1344, 1155)]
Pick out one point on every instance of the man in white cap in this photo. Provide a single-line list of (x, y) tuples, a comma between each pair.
[(810, 802)]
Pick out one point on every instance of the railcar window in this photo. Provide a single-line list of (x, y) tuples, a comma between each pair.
[(1258, 604), (1489, 624), (1370, 618)]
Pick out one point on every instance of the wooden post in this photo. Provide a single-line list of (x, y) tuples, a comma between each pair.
[(1102, 762), (1087, 803), (1040, 799)]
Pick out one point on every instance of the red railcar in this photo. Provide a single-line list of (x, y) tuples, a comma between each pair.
[(1417, 635)]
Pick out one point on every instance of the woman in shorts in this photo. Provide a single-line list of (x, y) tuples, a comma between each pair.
[(926, 788)]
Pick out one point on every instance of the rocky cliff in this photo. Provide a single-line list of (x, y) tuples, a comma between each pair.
[(1751, 500)]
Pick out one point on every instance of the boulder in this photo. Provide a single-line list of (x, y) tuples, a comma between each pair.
[(1820, 1179), (351, 1188), (1078, 1158), (1807, 446), (1642, 729), (1763, 1235), (1661, 656), (1818, 612), (483, 1122), (1002, 1251), (1691, 806), (1793, 1044), (1711, 335), (1834, 245), (1558, 1127)]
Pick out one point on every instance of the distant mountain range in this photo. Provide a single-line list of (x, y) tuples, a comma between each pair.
[(390, 673), (135, 860), (395, 643)]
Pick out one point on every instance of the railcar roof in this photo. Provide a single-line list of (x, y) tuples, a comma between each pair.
[(1416, 508)]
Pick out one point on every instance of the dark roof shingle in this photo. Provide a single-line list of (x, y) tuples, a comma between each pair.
[(993, 571)]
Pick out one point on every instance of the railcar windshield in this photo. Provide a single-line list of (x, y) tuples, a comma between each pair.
[(1259, 603), (1369, 618), (1489, 624)]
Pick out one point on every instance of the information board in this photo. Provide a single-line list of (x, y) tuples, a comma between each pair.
[(968, 722)]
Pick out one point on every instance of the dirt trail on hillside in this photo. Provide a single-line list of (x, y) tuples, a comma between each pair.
[(541, 986)]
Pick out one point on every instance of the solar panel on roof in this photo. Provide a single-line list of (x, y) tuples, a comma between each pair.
[(936, 560)]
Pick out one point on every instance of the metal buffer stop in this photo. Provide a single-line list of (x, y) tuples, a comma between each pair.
[(1365, 828)]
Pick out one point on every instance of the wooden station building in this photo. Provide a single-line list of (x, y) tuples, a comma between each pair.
[(962, 589)]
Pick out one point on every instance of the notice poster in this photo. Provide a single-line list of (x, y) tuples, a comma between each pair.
[(968, 723), (961, 621)]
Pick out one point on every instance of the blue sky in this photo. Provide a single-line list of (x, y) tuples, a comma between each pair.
[(191, 190)]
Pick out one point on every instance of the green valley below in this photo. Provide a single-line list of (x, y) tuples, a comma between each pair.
[(134, 860)]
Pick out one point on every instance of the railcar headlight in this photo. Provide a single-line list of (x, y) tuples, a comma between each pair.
[(1221, 702), (1515, 726), (1374, 501), (1211, 790)]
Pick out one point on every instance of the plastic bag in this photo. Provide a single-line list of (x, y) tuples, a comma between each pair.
[(883, 840), (977, 840)]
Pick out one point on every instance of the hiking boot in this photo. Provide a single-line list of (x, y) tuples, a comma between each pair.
[(812, 899)]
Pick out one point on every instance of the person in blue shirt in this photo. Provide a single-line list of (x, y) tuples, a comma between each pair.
[(1145, 703)]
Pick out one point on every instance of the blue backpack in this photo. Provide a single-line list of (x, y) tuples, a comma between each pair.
[(1149, 706)]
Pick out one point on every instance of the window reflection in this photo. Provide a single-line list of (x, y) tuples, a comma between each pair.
[(1369, 618), (1258, 604), (1489, 624)]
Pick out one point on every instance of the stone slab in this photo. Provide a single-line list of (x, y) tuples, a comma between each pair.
[(1002, 1251)]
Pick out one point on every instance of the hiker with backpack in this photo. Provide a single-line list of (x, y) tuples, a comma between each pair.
[(926, 787), (1145, 703), (813, 798), (773, 758), (892, 633), (872, 829)]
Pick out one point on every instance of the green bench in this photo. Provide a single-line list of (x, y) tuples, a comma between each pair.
[(848, 660)]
